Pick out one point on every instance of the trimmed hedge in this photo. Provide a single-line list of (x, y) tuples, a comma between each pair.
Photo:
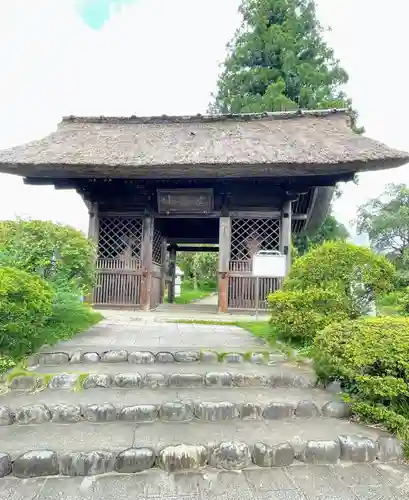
[(298, 315), (25, 305), (370, 357), (356, 272)]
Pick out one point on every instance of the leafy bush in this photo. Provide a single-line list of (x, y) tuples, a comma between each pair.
[(356, 272), (298, 315), (369, 356), (52, 251), (25, 305)]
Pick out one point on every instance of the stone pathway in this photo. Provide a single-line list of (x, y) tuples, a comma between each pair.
[(141, 408)]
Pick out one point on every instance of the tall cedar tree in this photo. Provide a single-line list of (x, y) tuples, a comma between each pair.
[(279, 61)]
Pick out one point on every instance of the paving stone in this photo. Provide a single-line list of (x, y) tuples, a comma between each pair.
[(119, 356), (165, 357), (64, 381), (138, 413), (76, 358), (186, 380), (187, 356), (358, 474), (250, 411), (6, 416), (209, 357), (357, 449), (285, 379), (86, 464), (279, 455), (176, 411), (389, 449), (257, 358), (230, 455), (233, 357), (182, 457), (318, 482), (97, 380), (128, 380), (53, 358), (33, 414), (277, 410), (249, 380), (219, 379), (276, 358), (135, 460), (336, 409), (105, 412), (307, 409), (216, 411), (155, 380), (66, 413), (91, 357), (35, 464), (141, 358), (5, 464), (334, 387), (267, 479), (376, 493), (26, 383), (320, 452)]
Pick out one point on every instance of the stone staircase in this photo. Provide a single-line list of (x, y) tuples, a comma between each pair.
[(127, 397)]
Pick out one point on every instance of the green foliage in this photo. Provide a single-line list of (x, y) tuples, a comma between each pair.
[(386, 220), (279, 61), (299, 315), (355, 272), (369, 356), (198, 266), (52, 251), (331, 230), (25, 305)]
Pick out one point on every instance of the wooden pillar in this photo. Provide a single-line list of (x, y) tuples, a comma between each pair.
[(172, 274), (224, 261), (93, 235), (285, 235), (146, 261), (163, 269)]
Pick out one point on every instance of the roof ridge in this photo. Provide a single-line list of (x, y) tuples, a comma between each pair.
[(205, 118)]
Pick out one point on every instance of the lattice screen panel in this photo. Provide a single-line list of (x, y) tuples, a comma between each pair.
[(119, 238), (157, 247), (248, 236)]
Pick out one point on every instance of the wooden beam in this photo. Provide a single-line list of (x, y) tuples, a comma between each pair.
[(146, 260), (93, 235), (194, 249), (172, 274), (285, 236), (224, 261), (163, 269)]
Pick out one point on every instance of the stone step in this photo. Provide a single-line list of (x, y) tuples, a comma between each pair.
[(156, 356), (179, 410), (151, 378), (89, 449), (336, 482), (128, 397)]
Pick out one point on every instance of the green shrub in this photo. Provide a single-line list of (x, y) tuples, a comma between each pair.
[(356, 272), (52, 251), (25, 305), (299, 315), (370, 356)]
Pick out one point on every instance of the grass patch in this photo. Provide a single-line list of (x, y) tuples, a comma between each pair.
[(189, 295)]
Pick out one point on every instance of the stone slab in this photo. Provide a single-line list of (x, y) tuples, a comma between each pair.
[(128, 397)]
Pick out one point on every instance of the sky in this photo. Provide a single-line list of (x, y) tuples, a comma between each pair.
[(154, 57)]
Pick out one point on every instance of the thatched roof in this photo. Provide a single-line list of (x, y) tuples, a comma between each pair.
[(267, 144)]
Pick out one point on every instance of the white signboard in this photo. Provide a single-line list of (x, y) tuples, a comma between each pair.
[(269, 263)]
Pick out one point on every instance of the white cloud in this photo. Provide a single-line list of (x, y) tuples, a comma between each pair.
[(157, 57)]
